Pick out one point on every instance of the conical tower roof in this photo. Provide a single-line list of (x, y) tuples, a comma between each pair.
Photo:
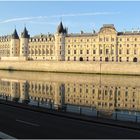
[(60, 28), (25, 34), (15, 35), (65, 30)]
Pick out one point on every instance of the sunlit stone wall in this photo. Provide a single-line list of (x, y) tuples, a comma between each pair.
[(76, 67)]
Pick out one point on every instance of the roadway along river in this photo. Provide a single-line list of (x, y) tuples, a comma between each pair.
[(20, 123)]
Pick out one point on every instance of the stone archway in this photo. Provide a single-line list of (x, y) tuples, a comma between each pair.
[(106, 59), (81, 59), (135, 59)]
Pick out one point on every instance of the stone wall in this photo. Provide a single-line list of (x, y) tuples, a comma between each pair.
[(76, 67), (14, 58)]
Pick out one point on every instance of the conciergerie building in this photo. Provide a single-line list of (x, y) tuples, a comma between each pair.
[(106, 45)]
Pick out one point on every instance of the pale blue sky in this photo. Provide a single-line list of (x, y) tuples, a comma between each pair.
[(43, 17)]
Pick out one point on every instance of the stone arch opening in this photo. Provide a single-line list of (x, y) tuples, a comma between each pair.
[(81, 59), (106, 59), (36, 52), (135, 59)]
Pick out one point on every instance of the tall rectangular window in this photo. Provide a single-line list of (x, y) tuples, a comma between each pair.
[(107, 51), (120, 59), (107, 39), (100, 58), (120, 51), (112, 39), (127, 52), (135, 51), (126, 93), (100, 51), (100, 39), (112, 58), (112, 51)]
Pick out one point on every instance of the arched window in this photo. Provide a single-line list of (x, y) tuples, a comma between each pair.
[(43, 51), (106, 59), (135, 59), (32, 51), (47, 51), (81, 59), (36, 52), (39, 52), (51, 51)]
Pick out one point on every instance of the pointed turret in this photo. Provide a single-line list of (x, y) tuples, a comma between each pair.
[(25, 34), (15, 35), (14, 44), (60, 28), (24, 43), (65, 31), (60, 42)]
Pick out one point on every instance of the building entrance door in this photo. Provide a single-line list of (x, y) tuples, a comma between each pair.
[(106, 59), (135, 59), (81, 58)]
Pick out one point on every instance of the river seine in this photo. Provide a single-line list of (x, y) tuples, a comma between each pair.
[(106, 96)]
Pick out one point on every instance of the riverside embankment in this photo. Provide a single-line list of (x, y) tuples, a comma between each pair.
[(129, 68)]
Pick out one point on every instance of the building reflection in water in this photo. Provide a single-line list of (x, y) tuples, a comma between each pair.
[(89, 93)]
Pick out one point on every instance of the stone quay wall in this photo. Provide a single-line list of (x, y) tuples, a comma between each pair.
[(129, 68)]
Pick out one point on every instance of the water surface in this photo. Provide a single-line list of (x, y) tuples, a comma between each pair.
[(110, 96)]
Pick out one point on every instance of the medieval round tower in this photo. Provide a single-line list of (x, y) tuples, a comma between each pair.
[(15, 44), (60, 42), (24, 43)]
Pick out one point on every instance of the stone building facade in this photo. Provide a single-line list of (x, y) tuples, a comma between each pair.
[(105, 45)]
